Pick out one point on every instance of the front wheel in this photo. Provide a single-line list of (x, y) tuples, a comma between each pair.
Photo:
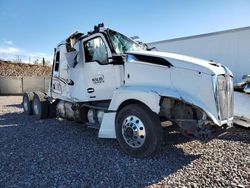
[(138, 130)]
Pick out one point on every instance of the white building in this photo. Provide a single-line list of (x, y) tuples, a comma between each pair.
[(230, 47)]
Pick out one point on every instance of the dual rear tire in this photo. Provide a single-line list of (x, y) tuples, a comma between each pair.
[(27, 103), (34, 103)]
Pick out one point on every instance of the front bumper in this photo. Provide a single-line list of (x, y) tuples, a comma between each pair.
[(227, 123)]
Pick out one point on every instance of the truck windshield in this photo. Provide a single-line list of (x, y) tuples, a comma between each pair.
[(123, 44)]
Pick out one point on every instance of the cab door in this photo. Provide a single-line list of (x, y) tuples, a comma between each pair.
[(101, 77)]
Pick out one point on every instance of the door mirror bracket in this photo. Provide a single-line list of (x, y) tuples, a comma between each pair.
[(116, 59)]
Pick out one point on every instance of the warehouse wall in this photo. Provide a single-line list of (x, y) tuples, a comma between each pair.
[(18, 85), (231, 48)]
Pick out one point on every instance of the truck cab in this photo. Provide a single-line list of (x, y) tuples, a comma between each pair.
[(108, 81), (96, 65)]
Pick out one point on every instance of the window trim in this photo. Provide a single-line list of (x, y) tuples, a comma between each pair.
[(57, 61)]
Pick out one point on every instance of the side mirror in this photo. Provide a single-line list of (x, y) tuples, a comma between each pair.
[(116, 59)]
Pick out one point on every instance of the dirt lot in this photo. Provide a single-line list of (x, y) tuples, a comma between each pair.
[(8, 68), (55, 152)]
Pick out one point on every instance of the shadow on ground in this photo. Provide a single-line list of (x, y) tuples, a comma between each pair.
[(57, 152), (15, 105), (237, 133)]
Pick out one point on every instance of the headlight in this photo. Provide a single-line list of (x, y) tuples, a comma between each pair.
[(222, 83)]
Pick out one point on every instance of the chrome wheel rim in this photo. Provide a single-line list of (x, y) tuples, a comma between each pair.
[(35, 107), (25, 104), (133, 131)]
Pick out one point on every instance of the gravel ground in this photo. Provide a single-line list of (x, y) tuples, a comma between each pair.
[(60, 153)]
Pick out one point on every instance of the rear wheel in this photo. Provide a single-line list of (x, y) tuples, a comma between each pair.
[(138, 130), (40, 106), (27, 103)]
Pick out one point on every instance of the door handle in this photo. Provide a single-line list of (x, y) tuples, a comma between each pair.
[(91, 90), (70, 82)]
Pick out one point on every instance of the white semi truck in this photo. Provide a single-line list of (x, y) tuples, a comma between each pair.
[(108, 81)]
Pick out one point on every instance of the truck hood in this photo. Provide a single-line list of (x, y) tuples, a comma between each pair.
[(186, 62)]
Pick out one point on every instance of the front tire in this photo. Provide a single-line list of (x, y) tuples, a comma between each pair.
[(138, 130)]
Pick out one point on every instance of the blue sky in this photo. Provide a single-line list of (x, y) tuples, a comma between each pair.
[(32, 27)]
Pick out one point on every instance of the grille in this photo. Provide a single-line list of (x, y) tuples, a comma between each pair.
[(225, 96)]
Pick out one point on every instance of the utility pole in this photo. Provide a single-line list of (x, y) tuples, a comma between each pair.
[(43, 61)]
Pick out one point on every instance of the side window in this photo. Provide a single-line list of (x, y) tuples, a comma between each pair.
[(57, 61), (95, 50)]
